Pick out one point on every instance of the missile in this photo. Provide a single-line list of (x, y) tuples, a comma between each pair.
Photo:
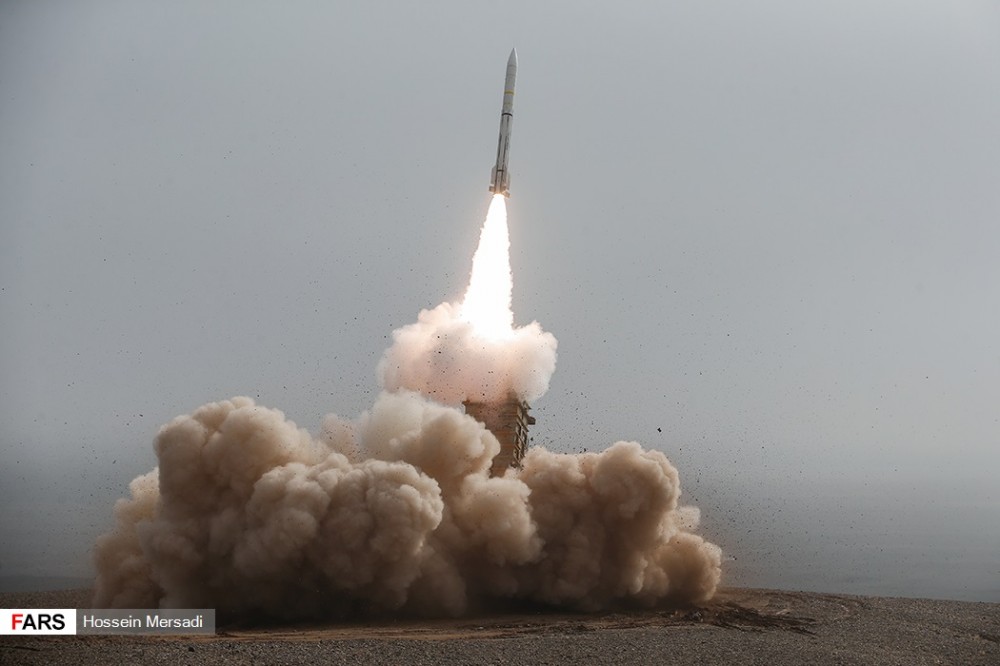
[(500, 179)]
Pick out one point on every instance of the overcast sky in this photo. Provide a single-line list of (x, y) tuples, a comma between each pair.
[(766, 235)]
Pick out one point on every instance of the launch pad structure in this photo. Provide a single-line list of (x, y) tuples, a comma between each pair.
[(508, 421)]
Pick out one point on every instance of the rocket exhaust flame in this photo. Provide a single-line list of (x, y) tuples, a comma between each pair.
[(487, 302), (471, 350)]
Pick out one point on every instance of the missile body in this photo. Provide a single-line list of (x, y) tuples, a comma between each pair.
[(500, 179)]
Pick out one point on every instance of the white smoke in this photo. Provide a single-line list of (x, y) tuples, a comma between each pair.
[(443, 357)]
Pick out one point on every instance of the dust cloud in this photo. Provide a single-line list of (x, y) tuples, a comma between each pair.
[(395, 511)]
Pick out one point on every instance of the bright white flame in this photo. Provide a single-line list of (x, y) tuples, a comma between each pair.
[(487, 300)]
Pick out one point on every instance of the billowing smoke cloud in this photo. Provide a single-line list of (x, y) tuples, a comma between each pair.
[(442, 356), (396, 511), (393, 512)]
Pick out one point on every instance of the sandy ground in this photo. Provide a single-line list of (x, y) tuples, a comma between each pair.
[(740, 626)]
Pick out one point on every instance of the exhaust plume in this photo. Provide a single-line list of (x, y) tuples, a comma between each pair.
[(395, 511), (471, 350)]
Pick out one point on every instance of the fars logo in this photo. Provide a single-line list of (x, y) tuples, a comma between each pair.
[(37, 621)]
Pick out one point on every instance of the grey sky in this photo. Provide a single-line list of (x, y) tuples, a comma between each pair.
[(765, 235)]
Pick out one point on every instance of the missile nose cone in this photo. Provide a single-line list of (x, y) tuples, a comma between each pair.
[(512, 60)]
